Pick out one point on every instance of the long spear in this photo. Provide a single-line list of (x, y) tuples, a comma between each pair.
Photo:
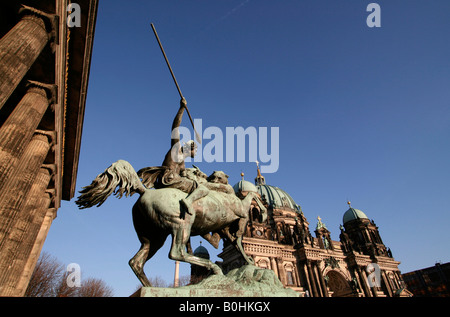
[(197, 136)]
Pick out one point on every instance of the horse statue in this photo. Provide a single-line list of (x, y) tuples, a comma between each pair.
[(156, 215)]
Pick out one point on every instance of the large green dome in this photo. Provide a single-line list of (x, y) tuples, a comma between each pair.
[(353, 214), (276, 197)]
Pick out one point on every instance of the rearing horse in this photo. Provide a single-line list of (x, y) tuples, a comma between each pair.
[(156, 215)]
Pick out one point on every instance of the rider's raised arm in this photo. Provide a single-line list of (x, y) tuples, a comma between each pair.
[(177, 122)]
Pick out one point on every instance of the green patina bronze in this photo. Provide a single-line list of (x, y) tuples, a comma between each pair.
[(182, 202), (159, 213)]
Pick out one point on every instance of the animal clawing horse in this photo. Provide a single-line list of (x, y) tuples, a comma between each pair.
[(156, 215)]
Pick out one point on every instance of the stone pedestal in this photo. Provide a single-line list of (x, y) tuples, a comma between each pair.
[(246, 281)]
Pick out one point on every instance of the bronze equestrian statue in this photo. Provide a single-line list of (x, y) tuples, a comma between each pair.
[(156, 215), (175, 200)]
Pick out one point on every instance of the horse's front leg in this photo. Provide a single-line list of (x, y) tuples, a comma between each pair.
[(180, 238)]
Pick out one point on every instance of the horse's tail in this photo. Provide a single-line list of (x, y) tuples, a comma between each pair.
[(120, 174)]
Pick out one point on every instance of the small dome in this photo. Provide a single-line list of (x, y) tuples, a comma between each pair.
[(244, 186), (353, 214), (201, 252)]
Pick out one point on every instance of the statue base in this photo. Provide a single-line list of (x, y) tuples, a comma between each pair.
[(246, 281)]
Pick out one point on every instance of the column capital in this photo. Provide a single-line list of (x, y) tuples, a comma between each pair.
[(50, 89), (51, 21), (51, 192), (51, 135), (52, 168)]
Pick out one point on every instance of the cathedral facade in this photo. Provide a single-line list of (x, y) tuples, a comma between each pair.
[(306, 259)]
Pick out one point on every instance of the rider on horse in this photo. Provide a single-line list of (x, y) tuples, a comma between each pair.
[(172, 172)]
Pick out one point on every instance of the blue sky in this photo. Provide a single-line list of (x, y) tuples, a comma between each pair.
[(363, 114)]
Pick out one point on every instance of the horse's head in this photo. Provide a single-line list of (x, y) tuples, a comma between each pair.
[(218, 177)]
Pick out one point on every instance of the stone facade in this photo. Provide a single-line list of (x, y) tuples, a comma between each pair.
[(44, 71), (432, 281), (315, 265)]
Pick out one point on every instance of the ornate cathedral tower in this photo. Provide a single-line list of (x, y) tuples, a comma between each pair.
[(363, 233)]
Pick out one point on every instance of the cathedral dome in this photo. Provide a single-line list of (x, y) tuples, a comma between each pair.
[(201, 252), (244, 186), (276, 197), (353, 214)]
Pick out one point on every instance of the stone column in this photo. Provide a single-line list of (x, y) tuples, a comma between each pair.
[(312, 280), (305, 274), (296, 274), (18, 129), (317, 277), (22, 238), (176, 278), (373, 289), (322, 282), (273, 264), (358, 280), (281, 271), (20, 47), (363, 279), (13, 198), (387, 284), (49, 215)]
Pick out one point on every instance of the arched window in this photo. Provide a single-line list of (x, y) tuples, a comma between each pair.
[(289, 269), (255, 214)]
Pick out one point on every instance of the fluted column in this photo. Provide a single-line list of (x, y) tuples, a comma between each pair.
[(22, 238), (50, 214), (20, 47), (12, 198), (18, 129)]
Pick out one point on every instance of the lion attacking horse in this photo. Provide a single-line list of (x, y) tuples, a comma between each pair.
[(156, 215)]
